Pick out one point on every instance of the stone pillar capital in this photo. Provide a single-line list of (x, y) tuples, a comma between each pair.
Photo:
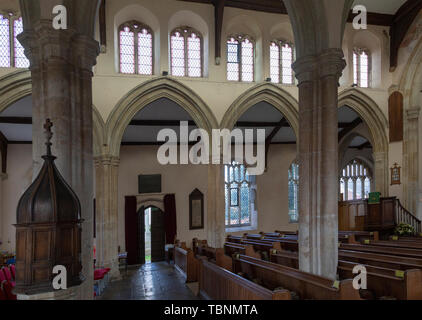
[(106, 160), (413, 113), (43, 43), (312, 67)]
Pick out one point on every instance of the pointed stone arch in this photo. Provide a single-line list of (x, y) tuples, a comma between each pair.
[(377, 123), (148, 92), (410, 87), (17, 85), (267, 92)]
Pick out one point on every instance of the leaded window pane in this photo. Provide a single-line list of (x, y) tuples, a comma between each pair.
[(361, 68), (358, 189), (293, 193), (145, 52), (247, 60), (233, 60), (286, 62), (194, 56), (127, 51), (178, 55), (20, 59), (4, 42), (355, 181), (237, 195), (275, 62)]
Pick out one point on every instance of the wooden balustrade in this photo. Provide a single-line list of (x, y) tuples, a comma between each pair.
[(404, 216)]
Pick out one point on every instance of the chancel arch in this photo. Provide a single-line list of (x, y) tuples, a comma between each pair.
[(377, 124)]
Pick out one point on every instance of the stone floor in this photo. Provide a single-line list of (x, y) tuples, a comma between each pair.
[(152, 281)]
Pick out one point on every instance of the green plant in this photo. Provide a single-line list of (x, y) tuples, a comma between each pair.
[(404, 229)]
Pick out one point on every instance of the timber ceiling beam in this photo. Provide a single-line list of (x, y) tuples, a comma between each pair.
[(218, 21), (103, 26), (16, 120), (271, 136), (3, 149), (403, 19), (277, 6), (349, 128)]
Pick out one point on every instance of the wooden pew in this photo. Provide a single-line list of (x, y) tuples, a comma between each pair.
[(397, 251), (396, 244), (360, 236), (380, 260), (381, 281), (287, 232), (306, 285), (186, 263), (216, 283), (213, 255), (236, 248), (384, 282)]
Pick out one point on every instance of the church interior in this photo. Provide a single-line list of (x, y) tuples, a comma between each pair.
[(87, 87)]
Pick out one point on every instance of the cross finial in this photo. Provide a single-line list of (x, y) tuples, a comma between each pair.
[(48, 135)]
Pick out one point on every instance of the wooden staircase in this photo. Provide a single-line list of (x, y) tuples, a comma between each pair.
[(404, 216)]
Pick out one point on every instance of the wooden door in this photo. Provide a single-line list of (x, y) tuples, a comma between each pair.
[(157, 235), (141, 234)]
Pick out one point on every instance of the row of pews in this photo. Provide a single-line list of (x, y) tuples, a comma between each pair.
[(266, 266)]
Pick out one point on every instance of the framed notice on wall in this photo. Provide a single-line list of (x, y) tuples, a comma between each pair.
[(395, 174), (196, 210)]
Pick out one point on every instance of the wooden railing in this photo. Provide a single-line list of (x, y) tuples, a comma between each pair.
[(404, 216)]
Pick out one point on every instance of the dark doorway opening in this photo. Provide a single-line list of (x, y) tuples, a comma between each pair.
[(152, 236)]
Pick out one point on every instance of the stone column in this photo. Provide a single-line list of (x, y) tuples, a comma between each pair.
[(380, 181), (410, 160), (61, 70), (106, 184), (215, 206), (2, 226), (318, 77)]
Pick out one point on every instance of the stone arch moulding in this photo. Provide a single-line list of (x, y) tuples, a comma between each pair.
[(150, 200), (267, 92), (410, 86), (377, 123), (148, 92), (17, 85)]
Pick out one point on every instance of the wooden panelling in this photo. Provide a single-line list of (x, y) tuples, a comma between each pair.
[(395, 116), (219, 284), (186, 263), (352, 215)]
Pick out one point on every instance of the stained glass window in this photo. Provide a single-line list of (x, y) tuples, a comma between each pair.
[(281, 60), (238, 195), (355, 181), (240, 58), (136, 48), (294, 193), (186, 52), (11, 51), (361, 68)]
